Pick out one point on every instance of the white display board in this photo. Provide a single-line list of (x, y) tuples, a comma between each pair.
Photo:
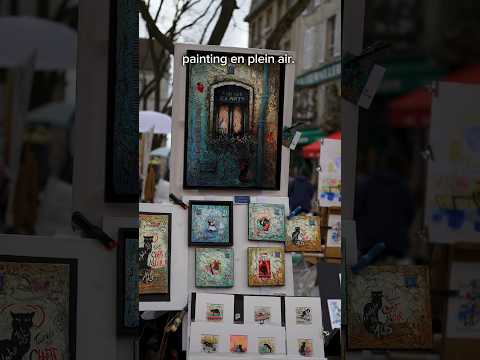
[(453, 194), (178, 254), (240, 246), (178, 122), (330, 175), (96, 290)]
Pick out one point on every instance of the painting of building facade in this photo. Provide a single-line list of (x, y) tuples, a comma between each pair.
[(233, 125)]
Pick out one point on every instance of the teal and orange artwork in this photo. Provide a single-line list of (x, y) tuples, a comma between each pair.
[(214, 267), (233, 117), (210, 223), (266, 222)]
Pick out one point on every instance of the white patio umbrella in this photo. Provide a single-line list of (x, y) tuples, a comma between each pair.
[(54, 44), (161, 151), (161, 123)]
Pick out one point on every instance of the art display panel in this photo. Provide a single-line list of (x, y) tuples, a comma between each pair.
[(214, 267), (154, 256), (389, 308), (37, 308), (233, 124), (128, 297), (266, 222), (266, 266), (210, 223), (303, 234)]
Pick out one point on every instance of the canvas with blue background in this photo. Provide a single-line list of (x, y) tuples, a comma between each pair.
[(210, 224)]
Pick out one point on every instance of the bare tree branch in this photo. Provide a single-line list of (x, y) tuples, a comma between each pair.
[(158, 10), (153, 30), (228, 7), (204, 33), (194, 22), (285, 23)]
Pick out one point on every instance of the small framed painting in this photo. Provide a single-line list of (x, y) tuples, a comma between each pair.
[(214, 267), (266, 266), (154, 256), (210, 223), (389, 308), (266, 222), (303, 234), (37, 307), (128, 319), (238, 343)]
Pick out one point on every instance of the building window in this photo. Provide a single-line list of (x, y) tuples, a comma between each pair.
[(330, 40), (308, 48)]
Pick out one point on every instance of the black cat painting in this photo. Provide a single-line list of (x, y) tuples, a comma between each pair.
[(146, 275), (19, 343)]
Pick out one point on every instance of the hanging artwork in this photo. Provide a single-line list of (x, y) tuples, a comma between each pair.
[(233, 123), (128, 318), (335, 312), (330, 175), (334, 232), (389, 308), (214, 267), (266, 345), (266, 266), (154, 256), (37, 308), (463, 319), (266, 222), (303, 234), (238, 343), (209, 343), (453, 182), (210, 223)]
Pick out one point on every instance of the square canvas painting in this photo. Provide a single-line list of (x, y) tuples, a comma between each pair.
[(37, 308), (266, 222), (303, 234), (389, 308), (210, 223), (128, 317), (209, 343), (266, 266), (154, 256), (214, 267), (233, 124)]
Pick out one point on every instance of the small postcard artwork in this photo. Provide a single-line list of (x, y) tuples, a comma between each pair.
[(238, 343), (263, 314), (334, 233), (209, 343), (233, 124), (37, 308), (335, 312), (266, 345), (303, 315), (215, 312), (214, 267), (154, 255), (330, 176), (389, 308), (266, 266), (266, 222), (305, 347), (303, 234), (210, 223)]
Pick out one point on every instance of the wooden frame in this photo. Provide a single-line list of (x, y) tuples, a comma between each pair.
[(229, 204), (123, 236), (162, 297), (72, 292), (121, 162), (280, 115)]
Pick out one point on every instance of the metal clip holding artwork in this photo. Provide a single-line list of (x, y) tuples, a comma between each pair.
[(91, 231), (291, 135), (427, 153)]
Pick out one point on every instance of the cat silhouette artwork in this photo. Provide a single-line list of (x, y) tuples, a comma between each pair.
[(303, 349), (297, 237), (264, 271), (20, 340), (146, 274), (266, 348), (239, 348), (212, 226), (371, 312), (264, 224)]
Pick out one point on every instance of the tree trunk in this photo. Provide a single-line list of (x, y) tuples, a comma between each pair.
[(228, 6)]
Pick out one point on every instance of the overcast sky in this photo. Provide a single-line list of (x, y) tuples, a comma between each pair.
[(236, 35)]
